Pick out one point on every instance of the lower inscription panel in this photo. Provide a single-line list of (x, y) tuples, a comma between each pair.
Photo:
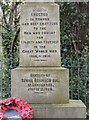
[(40, 85)]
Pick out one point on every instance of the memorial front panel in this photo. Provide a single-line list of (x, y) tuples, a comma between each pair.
[(39, 38)]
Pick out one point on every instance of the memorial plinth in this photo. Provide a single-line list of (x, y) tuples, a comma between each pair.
[(41, 85), (40, 79)]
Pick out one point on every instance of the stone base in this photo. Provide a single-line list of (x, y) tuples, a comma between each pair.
[(74, 109), (41, 84)]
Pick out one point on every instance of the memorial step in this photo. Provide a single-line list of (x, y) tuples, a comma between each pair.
[(74, 109)]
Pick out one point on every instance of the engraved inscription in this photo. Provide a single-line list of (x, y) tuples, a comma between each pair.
[(40, 83), (40, 36)]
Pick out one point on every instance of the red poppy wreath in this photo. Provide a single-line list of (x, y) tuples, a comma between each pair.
[(14, 103)]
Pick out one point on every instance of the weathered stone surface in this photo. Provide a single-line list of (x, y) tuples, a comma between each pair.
[(39, 0), (40, 35), (41, 85), (46, 86), (74, 109)]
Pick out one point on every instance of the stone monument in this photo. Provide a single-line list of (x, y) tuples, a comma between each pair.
[(40, 79)]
